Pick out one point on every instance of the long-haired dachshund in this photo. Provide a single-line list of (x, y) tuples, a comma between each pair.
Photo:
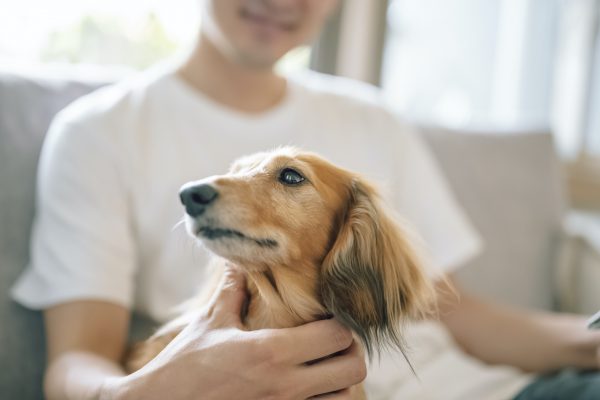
[(313, 239)]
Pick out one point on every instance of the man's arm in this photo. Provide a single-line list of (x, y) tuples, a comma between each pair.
[(86, 340), (531, 340)]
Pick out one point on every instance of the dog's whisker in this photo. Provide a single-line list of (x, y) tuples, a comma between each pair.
[(178, 224)]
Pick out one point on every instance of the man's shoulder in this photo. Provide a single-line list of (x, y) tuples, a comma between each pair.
[(339, 89), (353, 99), (113, 104), (344, 95)]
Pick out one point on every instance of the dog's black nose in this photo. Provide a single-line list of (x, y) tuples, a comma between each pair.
[(197, 198)]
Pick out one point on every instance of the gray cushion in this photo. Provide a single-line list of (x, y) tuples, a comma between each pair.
[(27, 106), (511, 187)]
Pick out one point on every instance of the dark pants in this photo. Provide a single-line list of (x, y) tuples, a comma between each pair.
[(564, 385)]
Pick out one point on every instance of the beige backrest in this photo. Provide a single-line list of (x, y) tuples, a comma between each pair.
[(511, 187)]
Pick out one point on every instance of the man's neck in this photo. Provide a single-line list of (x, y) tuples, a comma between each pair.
[(233, 85)]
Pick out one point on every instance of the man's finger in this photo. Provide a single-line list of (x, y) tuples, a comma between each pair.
[(228, 300), (315, 340), (335, 373)]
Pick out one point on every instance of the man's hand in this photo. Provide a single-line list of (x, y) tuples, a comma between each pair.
[(214, 358)]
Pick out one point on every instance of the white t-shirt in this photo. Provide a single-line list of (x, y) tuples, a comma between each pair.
[(108, 209)]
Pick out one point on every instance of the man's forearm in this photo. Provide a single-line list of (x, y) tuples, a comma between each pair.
[(532, 341), (79, 376)]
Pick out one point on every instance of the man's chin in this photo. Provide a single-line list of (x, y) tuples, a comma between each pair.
[(259, 59)]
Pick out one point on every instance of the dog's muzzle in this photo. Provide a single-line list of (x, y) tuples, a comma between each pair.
[(196, 198)]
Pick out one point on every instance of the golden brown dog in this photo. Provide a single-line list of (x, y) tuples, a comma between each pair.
[(313, 239)]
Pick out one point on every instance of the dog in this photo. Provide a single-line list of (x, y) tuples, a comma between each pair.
[(313, 240)]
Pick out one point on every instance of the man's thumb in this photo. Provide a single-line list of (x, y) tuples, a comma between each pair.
[(228, 300)]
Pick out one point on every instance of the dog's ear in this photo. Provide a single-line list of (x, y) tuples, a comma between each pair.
[(372, 279)]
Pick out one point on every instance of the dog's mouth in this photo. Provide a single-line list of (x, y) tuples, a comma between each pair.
[(212, 233)]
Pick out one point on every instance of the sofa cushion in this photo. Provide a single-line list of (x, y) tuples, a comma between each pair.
[(511, 187)]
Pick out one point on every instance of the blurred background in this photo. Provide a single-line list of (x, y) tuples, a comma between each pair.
[(509, 65), (507, 93)]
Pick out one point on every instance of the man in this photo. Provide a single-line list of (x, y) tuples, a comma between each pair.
[(103, 241)]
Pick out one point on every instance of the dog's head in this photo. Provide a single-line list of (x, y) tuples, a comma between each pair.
[(292, 209)]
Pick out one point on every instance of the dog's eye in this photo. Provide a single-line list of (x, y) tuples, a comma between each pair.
[(290, 177)]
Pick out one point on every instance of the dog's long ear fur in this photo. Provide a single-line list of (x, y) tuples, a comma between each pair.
[(372, 279)]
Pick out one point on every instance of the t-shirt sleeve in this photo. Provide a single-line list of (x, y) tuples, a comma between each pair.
[(82, 243), (424, 198)]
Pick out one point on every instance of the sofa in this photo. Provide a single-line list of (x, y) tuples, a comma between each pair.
[(510, 185)]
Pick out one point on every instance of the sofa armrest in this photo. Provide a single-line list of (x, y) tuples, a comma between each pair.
[(578, 270)]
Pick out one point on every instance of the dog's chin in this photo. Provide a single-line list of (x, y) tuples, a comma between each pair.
[(243, 254), (231, 244)]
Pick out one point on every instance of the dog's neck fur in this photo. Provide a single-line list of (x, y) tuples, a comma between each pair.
[(270, 307)]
